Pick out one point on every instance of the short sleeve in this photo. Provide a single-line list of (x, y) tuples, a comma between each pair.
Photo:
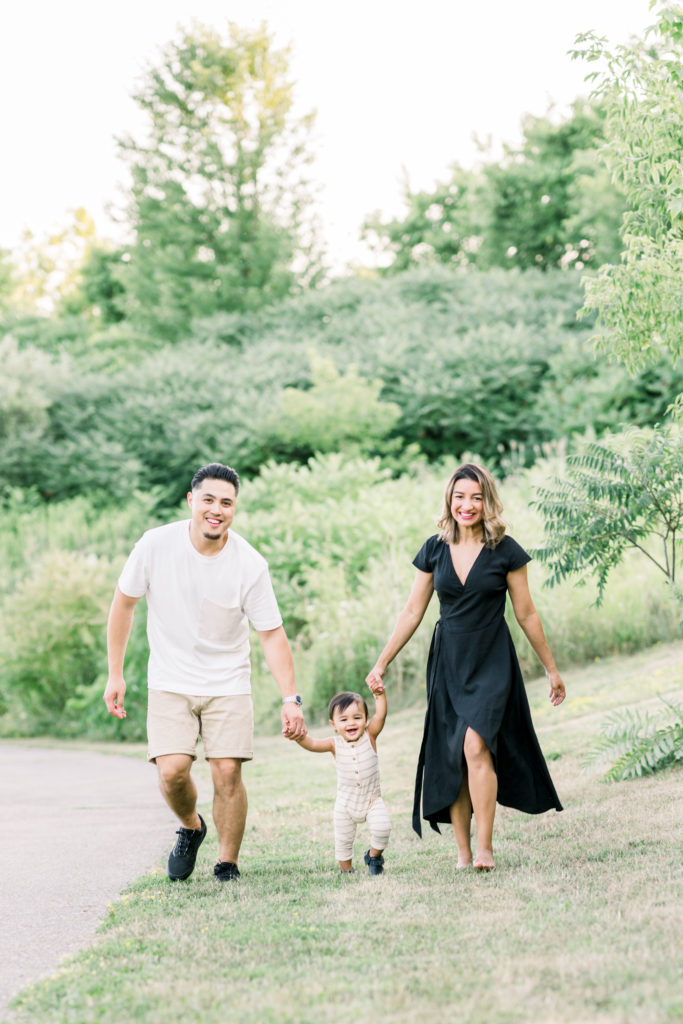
[(425, 559), (514, 554), (134, 578), (260, 603)]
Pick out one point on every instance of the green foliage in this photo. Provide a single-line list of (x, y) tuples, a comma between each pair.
[(331, 512), (639, 303), (617, 494), (52, 638), (489, 362), (339, 412), (634, 744), (441, 225), (100, 291), (219, 201), (547, 203), (544, 197), (29, 380)]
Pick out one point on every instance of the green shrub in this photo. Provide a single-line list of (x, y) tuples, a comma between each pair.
[(634, 744), (446, 360), (53, 653), (52, 639)]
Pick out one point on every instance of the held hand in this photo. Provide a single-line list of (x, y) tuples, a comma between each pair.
[(375, 679), (113, 697), (557, 691), (293, 724)]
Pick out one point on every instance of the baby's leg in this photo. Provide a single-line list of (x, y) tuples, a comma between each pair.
[(380, 827), (344, 836)]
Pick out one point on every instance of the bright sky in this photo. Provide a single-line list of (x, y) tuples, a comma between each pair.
[(400, 89)]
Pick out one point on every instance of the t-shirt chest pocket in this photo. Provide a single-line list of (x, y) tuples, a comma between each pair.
[(218, 622)]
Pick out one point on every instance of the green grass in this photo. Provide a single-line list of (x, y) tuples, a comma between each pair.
[(577, 924)]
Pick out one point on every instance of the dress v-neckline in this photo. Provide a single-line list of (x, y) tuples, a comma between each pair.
[(469, 571)]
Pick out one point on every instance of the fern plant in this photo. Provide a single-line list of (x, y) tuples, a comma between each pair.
[(624, 491), (635, 744)]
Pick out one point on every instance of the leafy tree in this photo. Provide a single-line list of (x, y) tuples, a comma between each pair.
[(618, 494), (440, 225), (544, 195), (47, 269), (548, 202), (219, 198), (639, 302), (99, 291)]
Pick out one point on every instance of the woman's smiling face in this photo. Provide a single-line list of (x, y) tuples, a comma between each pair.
[(467, 503)]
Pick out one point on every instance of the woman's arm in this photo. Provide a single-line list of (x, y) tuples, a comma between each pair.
[(528, 618), (406, 624)]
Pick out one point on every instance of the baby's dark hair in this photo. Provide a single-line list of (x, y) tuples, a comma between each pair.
[(341, 701)]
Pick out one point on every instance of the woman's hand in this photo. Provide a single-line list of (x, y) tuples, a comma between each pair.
[(557, 691)]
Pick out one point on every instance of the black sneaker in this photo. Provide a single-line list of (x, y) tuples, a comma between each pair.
[(226, 871), (375, 864), (182, 857)]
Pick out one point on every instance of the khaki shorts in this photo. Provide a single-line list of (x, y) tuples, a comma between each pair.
[(175, 721)]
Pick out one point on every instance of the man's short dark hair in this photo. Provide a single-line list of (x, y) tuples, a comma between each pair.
[(216, 471)]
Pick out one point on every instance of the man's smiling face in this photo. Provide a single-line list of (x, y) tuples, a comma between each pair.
[(212, 505)]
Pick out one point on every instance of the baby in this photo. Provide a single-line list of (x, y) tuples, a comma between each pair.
[(358, 794)]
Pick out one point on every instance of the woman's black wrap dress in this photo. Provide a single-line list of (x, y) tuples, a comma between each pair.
[(474, 679)]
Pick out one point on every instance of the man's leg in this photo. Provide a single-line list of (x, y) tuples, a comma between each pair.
[(180, 793), (178, 788), (229, 806)]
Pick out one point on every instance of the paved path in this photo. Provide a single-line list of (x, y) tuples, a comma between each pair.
[(77, 827)]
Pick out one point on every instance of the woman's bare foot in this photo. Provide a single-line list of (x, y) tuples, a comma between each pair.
[(484, 861), (464, 858)]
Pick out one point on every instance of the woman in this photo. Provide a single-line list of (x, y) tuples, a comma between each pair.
[(479, 744)]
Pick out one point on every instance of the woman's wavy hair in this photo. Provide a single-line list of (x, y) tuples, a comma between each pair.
[(492, 522)]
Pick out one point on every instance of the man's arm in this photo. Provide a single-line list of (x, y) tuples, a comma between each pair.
[(279, 660), (119, 626)]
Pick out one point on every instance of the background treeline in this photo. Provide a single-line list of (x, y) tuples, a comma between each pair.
[(423, 364), (215, 332)]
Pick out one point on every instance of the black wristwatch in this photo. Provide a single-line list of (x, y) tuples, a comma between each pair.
[(296, 699)]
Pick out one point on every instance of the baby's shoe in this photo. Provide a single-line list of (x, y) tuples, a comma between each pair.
[(375, 864)]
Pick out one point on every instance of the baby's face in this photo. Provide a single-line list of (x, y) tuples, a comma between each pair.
[(350, 723)]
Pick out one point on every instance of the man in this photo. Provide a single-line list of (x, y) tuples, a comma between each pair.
[(204, 584)]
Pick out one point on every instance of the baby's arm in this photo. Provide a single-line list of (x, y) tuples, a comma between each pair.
[(325, 746), (376, 723)]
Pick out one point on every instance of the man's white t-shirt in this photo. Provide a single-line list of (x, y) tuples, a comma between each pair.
[(199, 608)]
